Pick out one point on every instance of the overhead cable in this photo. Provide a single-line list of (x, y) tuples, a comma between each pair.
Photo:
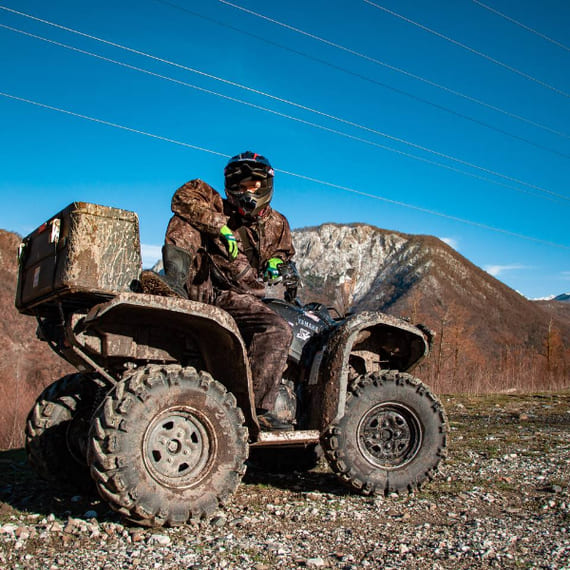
[(468, 48), (550, 193), (524, 26), (387, 66), (419, 78), (288, 173), (111, 124)]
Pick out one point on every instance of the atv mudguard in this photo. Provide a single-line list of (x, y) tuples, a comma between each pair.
[(396, 344), (137, 328)]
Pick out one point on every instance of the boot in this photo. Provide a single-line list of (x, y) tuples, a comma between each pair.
[(268, 421), (176, 263)]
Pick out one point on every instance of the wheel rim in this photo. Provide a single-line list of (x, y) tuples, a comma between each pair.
[(389, 435), (178, 447)]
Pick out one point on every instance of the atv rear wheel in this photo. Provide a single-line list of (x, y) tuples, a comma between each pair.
[(392, 436), (167, 445), (56, 432)]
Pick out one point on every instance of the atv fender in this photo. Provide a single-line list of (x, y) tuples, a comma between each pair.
[(135, 328), (395, 344)]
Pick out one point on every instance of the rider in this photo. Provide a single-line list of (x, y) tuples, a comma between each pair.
[(224, 251)]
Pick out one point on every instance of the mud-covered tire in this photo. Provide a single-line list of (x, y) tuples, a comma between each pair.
[(284, 459), (56, 432), (167, 445), (392, 436)]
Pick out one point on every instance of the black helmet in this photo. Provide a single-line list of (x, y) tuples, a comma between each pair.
[(249, 167)]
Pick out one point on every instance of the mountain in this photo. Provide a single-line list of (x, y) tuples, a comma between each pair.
[(362, 267), (558, 307), (564, 297)]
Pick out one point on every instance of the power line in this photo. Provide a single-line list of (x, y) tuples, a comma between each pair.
[(288, 173), (468, 48), (316, 125), (420, 209), (413, 96), (110, 124), (441, 107), (524, 26), (387, 66)]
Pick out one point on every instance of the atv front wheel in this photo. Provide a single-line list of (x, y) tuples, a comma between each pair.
[(392, 436), (56, 432), (167, 445)]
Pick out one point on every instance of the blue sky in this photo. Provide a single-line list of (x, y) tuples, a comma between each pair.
[(444, 118)]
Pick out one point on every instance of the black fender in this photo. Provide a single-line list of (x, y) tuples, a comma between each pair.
[(137, 329), (398, 344)]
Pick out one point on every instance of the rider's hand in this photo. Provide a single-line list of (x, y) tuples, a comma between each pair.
[(289, 275), (271, 272), (231, 242)]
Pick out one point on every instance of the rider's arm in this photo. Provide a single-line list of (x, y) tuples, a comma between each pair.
[(201, 206), (283, 243)]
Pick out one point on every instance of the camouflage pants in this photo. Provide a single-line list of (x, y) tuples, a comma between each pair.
[(267, 337)]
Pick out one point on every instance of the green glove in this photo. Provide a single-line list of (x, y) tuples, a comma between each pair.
[(231, 242), (271, 272)]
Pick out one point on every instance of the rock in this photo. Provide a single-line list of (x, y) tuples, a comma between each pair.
[(137, 535), (218, 521), (23, 532), (160, 539), (8, 529), (317, 562)]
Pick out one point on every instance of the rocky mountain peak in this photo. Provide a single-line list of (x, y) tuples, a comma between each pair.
[(361, 267)]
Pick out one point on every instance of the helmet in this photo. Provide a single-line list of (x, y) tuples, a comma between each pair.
[(254, 168)]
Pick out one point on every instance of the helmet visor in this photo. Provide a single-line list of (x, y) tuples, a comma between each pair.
[(241, 176)]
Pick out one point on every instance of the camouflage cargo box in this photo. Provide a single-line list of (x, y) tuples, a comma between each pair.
[(86, 251)]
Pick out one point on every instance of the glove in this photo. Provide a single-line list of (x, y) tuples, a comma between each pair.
[(231, 242), (271, 272), (289, 275), (291, 281)]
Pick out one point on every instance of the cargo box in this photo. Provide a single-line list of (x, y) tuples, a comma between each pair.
[(82, 254)]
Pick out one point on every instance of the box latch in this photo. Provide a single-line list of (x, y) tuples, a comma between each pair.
[(55, 230)]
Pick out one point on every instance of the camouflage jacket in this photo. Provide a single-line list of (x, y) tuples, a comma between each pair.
[(204, 212)]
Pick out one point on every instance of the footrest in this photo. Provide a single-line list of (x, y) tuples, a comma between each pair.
[(300, 437)]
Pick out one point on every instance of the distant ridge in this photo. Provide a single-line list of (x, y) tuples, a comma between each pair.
[(365, 267)]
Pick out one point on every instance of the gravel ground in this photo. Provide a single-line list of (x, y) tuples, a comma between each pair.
[(502, 499)]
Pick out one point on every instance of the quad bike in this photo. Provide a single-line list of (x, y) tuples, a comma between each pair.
[(162, 421)]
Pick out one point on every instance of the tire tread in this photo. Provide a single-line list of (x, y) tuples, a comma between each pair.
[(341, 461)]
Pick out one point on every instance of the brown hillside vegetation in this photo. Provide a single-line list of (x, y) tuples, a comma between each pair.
[(560, 310), (27, 365), (489, 337)]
